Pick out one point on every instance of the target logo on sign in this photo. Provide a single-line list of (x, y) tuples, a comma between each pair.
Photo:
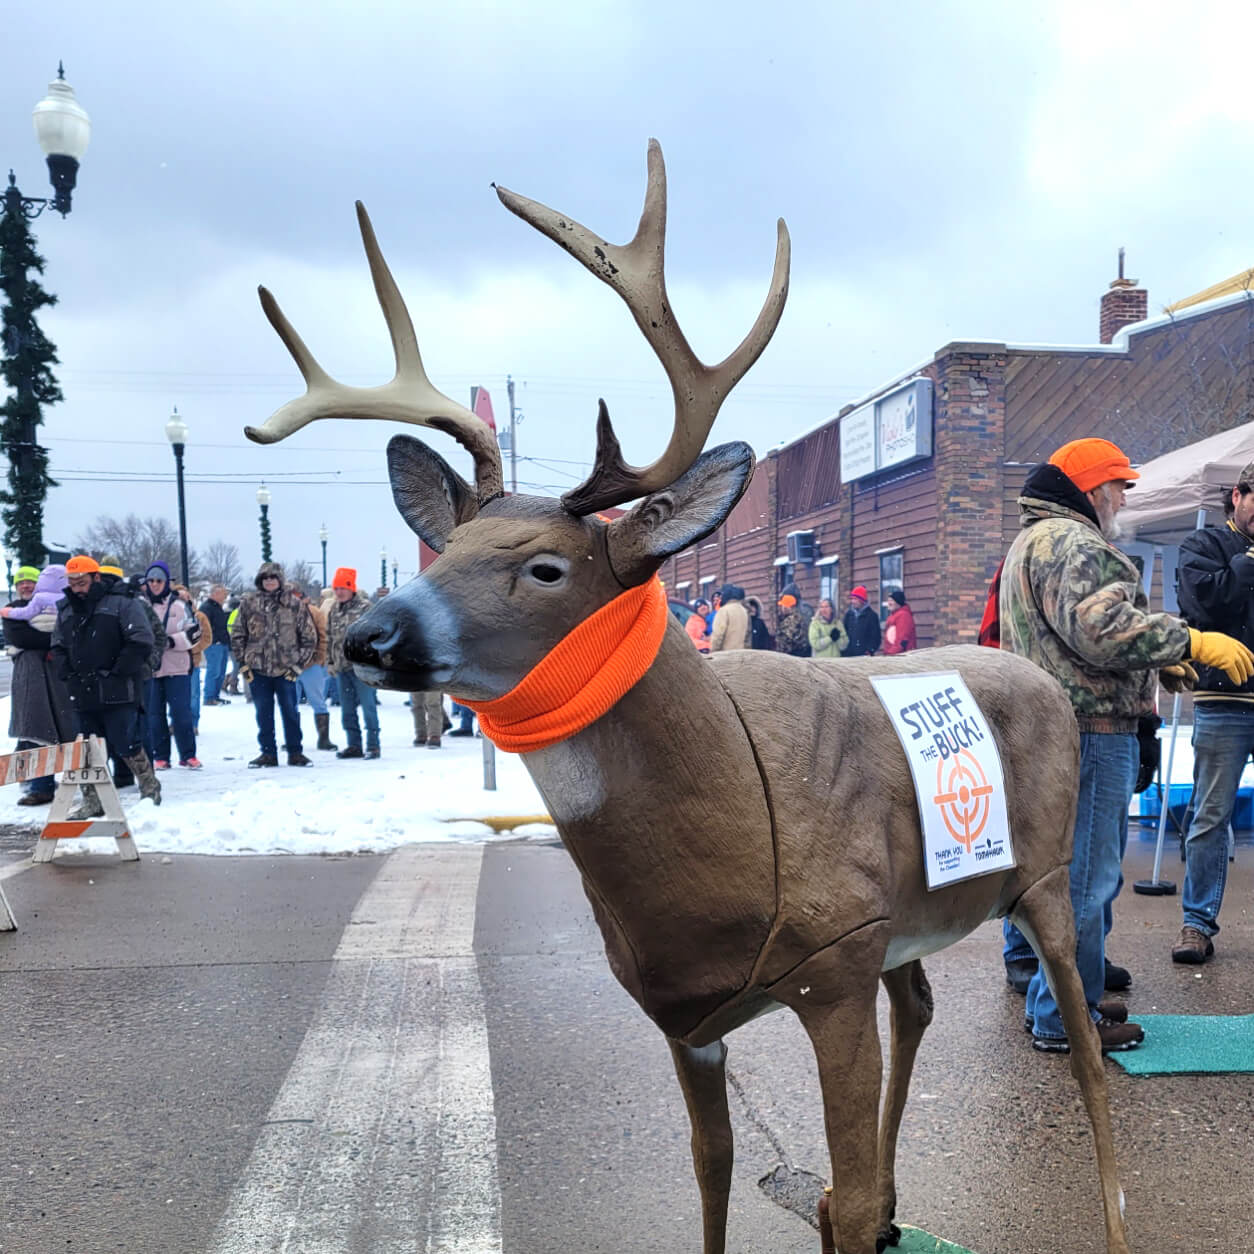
[(963, 795)]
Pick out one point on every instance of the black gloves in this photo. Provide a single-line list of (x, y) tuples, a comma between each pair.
[(1151, 750), (192, 631)]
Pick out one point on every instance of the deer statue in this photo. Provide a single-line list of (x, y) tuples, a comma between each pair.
[(807, 890)]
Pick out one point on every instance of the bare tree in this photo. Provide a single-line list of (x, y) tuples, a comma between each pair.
[(221, 564), (137, 543), (302, 572)]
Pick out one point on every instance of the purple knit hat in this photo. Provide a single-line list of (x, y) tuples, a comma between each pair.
[(158, 565)]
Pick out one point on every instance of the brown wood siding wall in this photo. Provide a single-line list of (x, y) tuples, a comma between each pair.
[(809, 473)]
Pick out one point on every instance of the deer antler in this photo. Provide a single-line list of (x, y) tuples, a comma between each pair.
[(409, 397), (636, 271)]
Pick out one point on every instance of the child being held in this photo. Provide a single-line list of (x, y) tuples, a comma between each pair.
[(49, 589)]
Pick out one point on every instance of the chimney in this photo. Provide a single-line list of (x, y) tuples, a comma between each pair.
[(1122, 305)]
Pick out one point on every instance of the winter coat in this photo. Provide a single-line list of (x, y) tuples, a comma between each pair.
[(175, 616), (319, 617), (899, 634), (217, 621), (101, 646), (793, 634), (1073, 604), (827, 639), (1216, 591), (39, 708), (48, 591), (695, 627), (339, 620), (274, 633), (731, 628), (863, 629), (759, 633)]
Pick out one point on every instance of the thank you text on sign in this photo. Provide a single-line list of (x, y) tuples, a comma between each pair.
[(957, 775)]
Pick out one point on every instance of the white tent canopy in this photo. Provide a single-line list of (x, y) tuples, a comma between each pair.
[(1163, 507)]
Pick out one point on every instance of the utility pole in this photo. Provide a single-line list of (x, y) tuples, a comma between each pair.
[(513, 438)]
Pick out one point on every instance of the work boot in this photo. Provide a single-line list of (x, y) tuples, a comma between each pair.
[(1117, 978), (264, 759), (89, 807), (352, 751), (1019, 973), (1115, 1038), (145, 776), (298, 759), (1193, 948), (323, 723), (372, 753)]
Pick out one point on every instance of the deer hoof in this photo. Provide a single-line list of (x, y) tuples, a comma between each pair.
[(884, 1239)]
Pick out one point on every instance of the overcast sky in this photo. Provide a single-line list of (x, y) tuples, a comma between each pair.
[(956, 170)]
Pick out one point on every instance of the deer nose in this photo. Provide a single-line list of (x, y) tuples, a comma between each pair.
[(388, 635)]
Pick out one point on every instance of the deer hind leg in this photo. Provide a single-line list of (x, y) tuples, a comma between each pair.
[(703, 1078), (1044, 915), (910, 997)]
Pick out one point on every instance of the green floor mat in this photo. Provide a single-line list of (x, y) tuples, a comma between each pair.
[(1191, 1044), (916, 1241)]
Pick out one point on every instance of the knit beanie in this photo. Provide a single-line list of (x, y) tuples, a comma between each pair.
[(1090, 462), (345, 577), (158, 565), (24, 573)]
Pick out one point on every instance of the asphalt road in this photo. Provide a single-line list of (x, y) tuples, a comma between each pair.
[(427, 1053)]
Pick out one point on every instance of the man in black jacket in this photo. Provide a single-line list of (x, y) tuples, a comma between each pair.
[(101, 645), (1216, 591), (862, 625), (218, 651)]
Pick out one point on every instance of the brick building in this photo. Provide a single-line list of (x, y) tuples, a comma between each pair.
[(930, 506)]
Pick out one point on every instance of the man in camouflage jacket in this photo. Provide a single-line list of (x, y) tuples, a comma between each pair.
[(1073, 603), (273, 640)]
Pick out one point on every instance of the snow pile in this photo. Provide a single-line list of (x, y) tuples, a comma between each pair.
[(334, 806)]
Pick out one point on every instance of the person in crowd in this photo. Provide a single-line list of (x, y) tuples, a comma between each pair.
[(827, 632), (465, 720), (1074, 605), (232, 682), (731, 621), (711, 608), (170, 687), (274, 639), (428, 709), (899, 634), (313, 679), (39, 712), (197, 654), (862, 625), (1216, 593), (218, 651), (759, 633), (350, 605), (101, 647), (49, 589), (696, 627), (333, 684), (792, 633)]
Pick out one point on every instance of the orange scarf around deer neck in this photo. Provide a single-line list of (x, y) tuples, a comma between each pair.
[(584, 675)]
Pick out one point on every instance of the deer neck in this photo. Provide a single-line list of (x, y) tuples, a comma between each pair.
[(662, 807)]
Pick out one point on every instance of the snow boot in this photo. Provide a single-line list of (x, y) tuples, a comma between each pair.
[(145, 776), (323, 723), (353, 751), (264, 759), (89, 807), (298, 759)]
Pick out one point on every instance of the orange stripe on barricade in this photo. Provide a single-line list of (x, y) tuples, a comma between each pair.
[(59, 831)]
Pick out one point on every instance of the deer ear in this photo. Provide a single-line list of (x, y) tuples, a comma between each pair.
[(696, 504), (431, 496)]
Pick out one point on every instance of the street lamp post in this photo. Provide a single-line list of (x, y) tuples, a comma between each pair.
[(263, 499), (395, 564), (176, 433), (26, 354), (322, 535), (383, 567)]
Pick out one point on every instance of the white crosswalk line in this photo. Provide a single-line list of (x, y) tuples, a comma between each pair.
[(383, 1135)]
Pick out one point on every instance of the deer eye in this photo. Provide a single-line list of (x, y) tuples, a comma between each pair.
[(547, 569)]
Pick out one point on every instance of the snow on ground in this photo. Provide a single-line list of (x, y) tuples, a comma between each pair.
[(333, 806)]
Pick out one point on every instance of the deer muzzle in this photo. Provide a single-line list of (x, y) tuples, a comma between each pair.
[(389, 649)]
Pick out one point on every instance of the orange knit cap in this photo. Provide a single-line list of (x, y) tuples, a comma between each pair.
[(787, 601), (1090, 462), (345, 577), (82, 565)]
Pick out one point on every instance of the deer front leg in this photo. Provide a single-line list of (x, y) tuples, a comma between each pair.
[(703, 1078), (910, 996), (1044, 915)]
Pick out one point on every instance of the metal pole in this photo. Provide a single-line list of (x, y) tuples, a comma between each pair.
[(265, 533), (178, 462), (395, 565), (324, 563), (489, 765), (513, 439)]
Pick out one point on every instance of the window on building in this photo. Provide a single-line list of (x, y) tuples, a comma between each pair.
[(892, 567), (829, 582)]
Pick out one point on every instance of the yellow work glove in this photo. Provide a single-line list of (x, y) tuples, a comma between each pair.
[(1213, 648), (1178, 678)]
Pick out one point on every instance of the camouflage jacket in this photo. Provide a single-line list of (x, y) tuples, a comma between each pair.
[(274, 633), (340, 617), (1073, 604), (793, 633)]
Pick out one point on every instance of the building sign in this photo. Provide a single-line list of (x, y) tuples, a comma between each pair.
[(892, 431), (958, 780)]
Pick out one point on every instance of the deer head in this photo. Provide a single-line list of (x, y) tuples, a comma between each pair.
[(518, 573)]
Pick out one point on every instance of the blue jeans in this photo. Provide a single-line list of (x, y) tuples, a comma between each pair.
[(194, 676), (353, 693), (266, 690), (467, 717), (1223, 739), (174, 691), (1108, 766), (313, 683), (216, 658), (332, 693)]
